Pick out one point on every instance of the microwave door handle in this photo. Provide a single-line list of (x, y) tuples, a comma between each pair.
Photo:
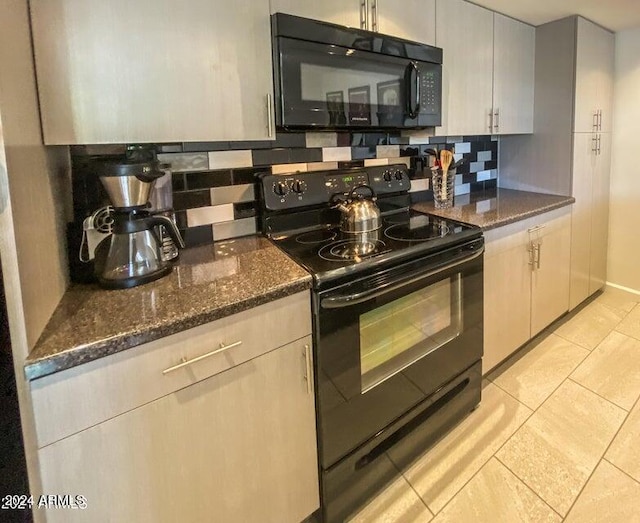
[(339, 302), (412, 83)]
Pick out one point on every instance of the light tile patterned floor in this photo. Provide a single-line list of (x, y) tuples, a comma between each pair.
[(556, 437)]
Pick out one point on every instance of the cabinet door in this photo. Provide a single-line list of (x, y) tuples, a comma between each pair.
[(465, 33), (152, 70), (600, 215), (344, 12), (237, 447), (410, 19), (594, 62), (550, 276), (507, 304), (513, 75), (606, 61), (584, 161)]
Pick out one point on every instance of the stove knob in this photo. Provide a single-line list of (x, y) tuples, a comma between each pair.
[(387, 176), (299, 187), (280, 188), (398, 174)]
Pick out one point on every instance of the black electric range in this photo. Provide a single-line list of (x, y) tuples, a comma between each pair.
[(397, 332)]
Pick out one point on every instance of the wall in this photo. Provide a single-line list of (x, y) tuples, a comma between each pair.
[(33, 185), (213, 182), (624, 221)]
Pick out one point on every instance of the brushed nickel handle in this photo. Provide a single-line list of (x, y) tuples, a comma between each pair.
[(490, 120), (536, 228), (186, 362), (599, 144), (269, 115), (496, 115), (363, 14), (374, 15), (531, 256), (599, 119), (594, 141), (595, 120), (308, 371), (538, 249)]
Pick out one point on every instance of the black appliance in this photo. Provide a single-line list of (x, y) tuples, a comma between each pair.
[(397, 331), (329, 76)]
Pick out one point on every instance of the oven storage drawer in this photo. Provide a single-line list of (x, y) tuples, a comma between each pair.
[(359, 476)]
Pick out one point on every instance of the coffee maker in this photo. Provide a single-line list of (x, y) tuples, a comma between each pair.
[(133, 254)]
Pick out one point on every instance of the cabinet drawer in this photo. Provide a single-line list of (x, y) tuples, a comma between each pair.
[(72, 400), (502, 239)]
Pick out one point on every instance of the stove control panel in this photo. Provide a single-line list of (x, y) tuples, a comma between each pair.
[(289, 191)]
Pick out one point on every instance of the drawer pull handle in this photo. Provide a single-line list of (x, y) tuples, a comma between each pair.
[(536, 228), (186, 362)]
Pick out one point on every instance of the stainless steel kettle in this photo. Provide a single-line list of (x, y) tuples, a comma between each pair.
[(359, 214)]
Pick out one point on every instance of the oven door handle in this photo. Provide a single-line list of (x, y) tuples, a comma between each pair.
[(338, 302)]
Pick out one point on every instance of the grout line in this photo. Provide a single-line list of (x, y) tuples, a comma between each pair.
[(598, 394), (462, 487), (530, 488), (602, 456), (540, 406), (573, 341), (618, 468), (485, 462), (513, 397), (637, 338), (409, 483)]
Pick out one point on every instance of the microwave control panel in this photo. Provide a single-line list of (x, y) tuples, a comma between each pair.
[(289, 191), (430, 92)]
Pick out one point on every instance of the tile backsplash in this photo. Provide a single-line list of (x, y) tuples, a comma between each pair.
[(214, 191)]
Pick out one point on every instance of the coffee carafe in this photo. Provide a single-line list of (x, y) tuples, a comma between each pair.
[(133, 255)]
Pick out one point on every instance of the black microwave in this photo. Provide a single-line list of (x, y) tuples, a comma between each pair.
[(330, 77)]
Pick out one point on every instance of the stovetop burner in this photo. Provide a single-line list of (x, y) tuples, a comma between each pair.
[(313, 237), (417, 228), (351, 250)]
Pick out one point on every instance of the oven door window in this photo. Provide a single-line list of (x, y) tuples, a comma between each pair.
[(397, 334)]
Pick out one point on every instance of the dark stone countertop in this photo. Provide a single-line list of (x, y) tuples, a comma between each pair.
[(497, 207), (208, 283)]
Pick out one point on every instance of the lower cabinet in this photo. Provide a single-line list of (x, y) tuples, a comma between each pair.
[(239, 446), (526, 281)]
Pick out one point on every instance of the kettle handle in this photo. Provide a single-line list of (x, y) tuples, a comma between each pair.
[(172, 229), (363, 185)]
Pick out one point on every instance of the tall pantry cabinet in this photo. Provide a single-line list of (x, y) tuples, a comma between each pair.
[(569, 152)]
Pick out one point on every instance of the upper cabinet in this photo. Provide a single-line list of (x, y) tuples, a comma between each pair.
[(514, 49), (410, 19), (351, 13), (488, 73), (153, 70), (594, 78), (466, 37)]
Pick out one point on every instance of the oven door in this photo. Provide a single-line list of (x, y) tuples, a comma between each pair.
[(321, 85), (387, 342)]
